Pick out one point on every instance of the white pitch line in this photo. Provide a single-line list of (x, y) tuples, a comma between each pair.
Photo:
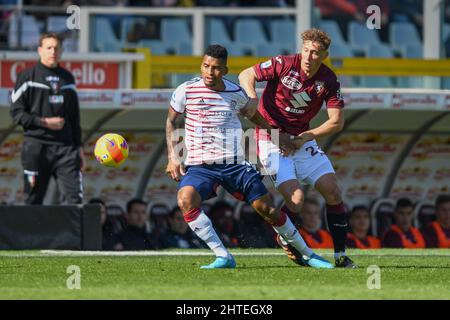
[(149, 253), (75, 253)]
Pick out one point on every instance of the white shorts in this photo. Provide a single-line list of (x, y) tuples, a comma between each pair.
[(307, 164)]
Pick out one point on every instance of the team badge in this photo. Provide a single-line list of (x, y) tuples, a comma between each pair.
[(319, 86)]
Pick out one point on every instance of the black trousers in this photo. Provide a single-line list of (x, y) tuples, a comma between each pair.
[(42, 161)]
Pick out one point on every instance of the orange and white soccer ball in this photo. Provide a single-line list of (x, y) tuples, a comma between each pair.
[(111, 150)]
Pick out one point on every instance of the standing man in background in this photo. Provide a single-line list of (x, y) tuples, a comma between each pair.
[(45, 104)]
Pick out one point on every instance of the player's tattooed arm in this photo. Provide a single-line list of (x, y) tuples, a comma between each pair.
[(334, 124), (175, 168)]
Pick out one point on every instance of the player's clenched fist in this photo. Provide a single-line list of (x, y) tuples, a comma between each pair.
[(175, 169), (287, 147)]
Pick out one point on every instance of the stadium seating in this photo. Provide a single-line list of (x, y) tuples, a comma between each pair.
[(332, 28), (184, 48), (249, 33), (376, 82), (157, 47), (127, 24), (216, 32), (56, 23), (424, 213), (282, 31), (158, 214), (238, 49), (273, 49), (104, 38), (381, 213), (175, 30), (29, 34), (403, 33), (360, 36), (412, 51), (340, 50), (377, 50)]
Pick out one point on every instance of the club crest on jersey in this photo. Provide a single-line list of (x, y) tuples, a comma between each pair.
[(291, 83), (233, 104), (202, 114), (266, 64), (319, 86)]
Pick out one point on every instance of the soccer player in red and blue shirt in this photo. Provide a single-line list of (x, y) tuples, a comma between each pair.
[(297, 86), (211, 105)]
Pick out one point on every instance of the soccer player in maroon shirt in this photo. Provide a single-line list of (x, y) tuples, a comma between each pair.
[(297, 86)]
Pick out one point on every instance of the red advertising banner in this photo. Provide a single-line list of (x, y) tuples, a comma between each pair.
[(92, 75)]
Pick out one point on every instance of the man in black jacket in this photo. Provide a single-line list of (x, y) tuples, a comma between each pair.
[(45, 104)]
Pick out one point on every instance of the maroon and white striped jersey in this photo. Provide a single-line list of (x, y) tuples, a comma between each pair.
[(213, 130)]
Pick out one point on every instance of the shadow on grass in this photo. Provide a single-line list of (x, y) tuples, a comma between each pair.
[(272, 267)]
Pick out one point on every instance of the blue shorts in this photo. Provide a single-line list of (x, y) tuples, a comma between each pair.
[(243, 181)]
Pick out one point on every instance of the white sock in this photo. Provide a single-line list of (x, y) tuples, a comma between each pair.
[(203, 228), (290, 234), (337, 255)]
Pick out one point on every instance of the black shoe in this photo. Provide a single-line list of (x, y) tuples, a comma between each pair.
[(292, 253), (345, 262)]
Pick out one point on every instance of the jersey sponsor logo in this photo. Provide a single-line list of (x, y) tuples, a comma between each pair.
[(300, 100), (52, 78), (293, 110), (54, 99), (291, 83), (266, 64), (203, 114)]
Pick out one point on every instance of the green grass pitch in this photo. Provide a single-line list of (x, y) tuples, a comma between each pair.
[(261, 274)]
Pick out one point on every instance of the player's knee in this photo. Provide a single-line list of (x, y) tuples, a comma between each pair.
[(188, 199), (266, 210), (295, 203), (270, 215), (334, 196)]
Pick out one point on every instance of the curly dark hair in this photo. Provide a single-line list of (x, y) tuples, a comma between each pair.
[(216, 51)]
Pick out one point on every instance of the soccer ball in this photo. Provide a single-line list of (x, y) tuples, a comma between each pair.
[(111, 150)]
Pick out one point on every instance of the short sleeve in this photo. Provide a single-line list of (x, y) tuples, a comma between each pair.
[(178, 100), (269, 69), (334, 97), (242, 100)]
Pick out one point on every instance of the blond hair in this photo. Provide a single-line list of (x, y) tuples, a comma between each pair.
[(319, 36)]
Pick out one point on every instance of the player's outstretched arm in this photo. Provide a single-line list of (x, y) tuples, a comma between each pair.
[(334, 124), (175, 168), (247, 80)]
